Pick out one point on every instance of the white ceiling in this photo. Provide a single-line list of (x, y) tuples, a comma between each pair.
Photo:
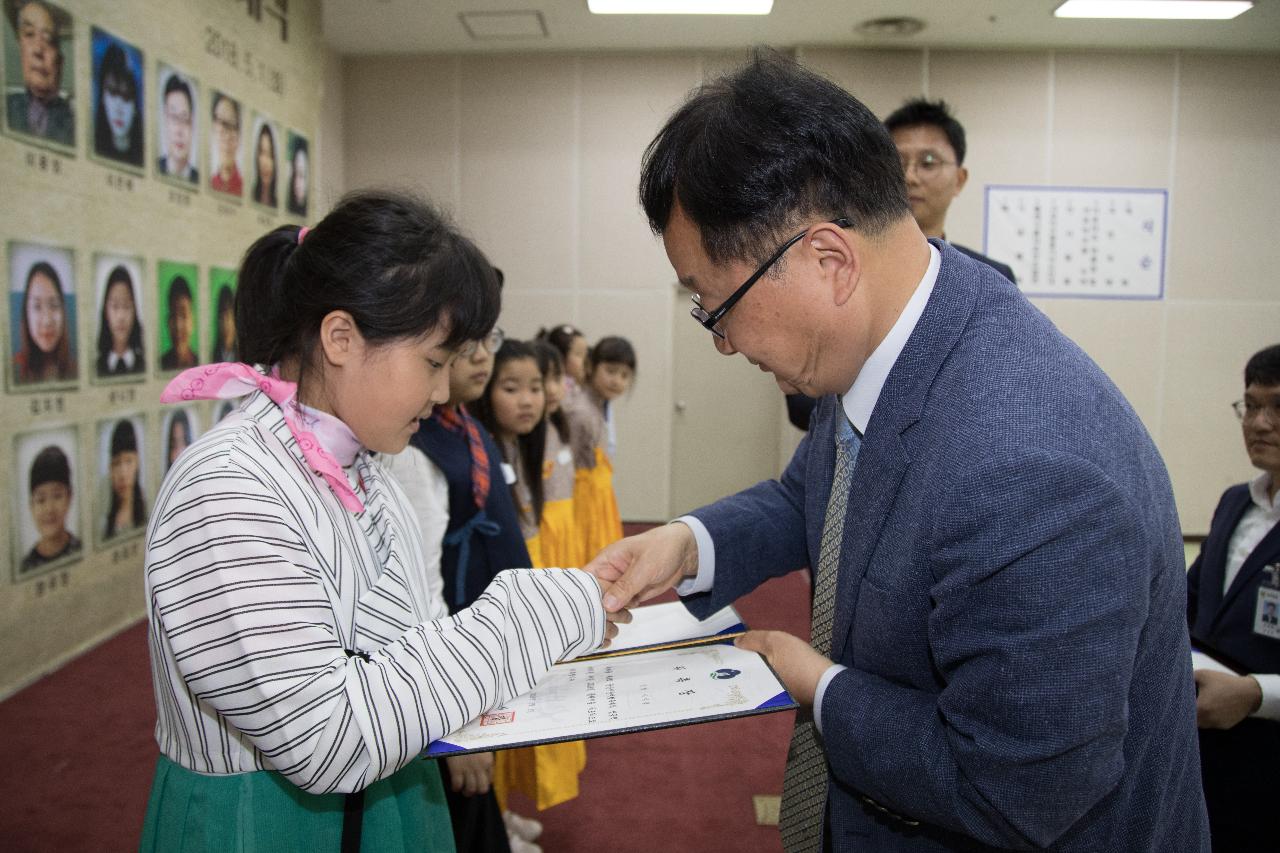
[(434, 26)]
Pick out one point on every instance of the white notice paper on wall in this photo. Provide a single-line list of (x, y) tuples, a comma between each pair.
[(1082, 242)]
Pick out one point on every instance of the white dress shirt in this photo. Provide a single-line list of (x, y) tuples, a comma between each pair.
[(858, 402)]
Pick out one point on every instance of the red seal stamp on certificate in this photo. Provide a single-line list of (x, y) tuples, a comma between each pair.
[(497, 718)]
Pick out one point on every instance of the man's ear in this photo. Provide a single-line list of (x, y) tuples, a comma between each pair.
[(839, 256), (340, 339), (962, 177)]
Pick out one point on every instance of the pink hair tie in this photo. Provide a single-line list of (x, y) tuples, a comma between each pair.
[(303, 232)]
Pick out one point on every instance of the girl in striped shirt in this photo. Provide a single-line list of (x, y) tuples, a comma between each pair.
[(301, 660)]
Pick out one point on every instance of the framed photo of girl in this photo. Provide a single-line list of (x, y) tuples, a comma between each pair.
[(265, 148), (119, 103), (180, 427), (298, 191), (226, 154), (178, 127), (46, 531), (39, 74), (120, 506), (179, 322), (222, 326), (42, 318), (120, 353)]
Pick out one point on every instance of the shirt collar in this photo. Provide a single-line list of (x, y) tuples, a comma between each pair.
[(860, 399), (1258, 491)]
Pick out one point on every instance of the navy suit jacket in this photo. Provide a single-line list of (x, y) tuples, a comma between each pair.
[(1225, 622), (1011, 597)]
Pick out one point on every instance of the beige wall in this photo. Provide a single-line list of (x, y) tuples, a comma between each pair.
[(46, 618), (538, 156)]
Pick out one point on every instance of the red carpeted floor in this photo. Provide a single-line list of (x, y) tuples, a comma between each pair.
[(78, 752)]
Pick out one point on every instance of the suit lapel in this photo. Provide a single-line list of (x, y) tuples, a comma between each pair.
[(1216, 553), (883, 459), (1262, 555)]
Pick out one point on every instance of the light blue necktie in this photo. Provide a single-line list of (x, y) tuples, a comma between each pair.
[(804, 786)]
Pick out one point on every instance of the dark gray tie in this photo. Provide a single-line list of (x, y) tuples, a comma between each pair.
[(804, 787)]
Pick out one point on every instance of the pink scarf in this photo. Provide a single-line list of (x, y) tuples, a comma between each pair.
[(227, 380)]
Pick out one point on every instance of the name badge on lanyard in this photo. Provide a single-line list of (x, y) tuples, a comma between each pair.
[(1266, 617)]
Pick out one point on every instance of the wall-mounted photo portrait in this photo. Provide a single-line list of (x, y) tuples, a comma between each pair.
[(42, 317), (265, 148), (298, 199), (46, 519), (121, 505), (119, 109), (180, 427), (121, 349), (225, 152), (179, 127), (222, 296), (39, 74), (179, 332)]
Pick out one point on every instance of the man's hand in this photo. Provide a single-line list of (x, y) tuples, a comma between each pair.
[(1223, 700), (611, 620), (471, 774), (795, 661), (639, 567)]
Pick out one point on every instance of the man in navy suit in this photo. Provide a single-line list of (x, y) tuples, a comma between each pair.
[(1233, 590), (1000, 657)]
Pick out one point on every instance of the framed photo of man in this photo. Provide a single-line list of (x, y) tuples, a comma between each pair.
[(178, 127), (120, 507), (179, 322), (226, 154), (42, 318), (222, 299), (120, 350), (46, 532), (39, 74), (265, 150), (298, 190), (179, 428), (119, 103)]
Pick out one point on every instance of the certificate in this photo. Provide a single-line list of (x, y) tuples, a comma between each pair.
[(638, 691)]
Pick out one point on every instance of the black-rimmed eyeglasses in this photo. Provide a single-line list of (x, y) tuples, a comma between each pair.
[(710, 320)]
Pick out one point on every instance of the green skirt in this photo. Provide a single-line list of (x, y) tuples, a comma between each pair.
[(263, 812)]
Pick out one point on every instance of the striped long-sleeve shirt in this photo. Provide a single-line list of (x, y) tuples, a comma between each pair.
[(289, 633)]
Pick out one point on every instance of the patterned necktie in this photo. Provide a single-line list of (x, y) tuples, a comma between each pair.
[(459, 421), (804, 786)]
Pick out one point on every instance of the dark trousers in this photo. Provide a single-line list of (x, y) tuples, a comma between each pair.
[(477, 821), (1239, 767)]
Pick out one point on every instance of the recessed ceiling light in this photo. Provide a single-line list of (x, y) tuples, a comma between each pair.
[(680, 7), (485, 26), (1211, 10), (899, 27)]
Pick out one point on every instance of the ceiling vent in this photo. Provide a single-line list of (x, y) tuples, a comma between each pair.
[(504, 26), (889, 27)]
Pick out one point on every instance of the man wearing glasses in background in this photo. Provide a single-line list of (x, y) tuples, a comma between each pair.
[(1233, 590), (931, 145), (999, 645), (931, 148)]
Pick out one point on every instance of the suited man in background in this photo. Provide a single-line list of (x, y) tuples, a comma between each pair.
[(931, 144), (1232, 593), (999, 648)]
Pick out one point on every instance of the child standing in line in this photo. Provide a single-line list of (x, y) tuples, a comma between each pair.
[(300, 661), (513, 409), (610, 369), (559, 544)]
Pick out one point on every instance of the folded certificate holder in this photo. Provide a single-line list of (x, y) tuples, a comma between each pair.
[(664, 669)]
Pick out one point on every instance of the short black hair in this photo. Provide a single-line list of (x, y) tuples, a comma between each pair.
[(1263, 367), (177, 84), (613, 350), (179, 288), (766, 149), (50, 466), (922, 112)]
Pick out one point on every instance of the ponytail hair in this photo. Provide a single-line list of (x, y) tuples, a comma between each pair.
[(388, 259), (561, 337)]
